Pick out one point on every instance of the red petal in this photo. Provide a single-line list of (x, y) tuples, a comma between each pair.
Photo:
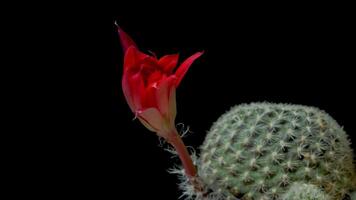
[(168, 62), (149, 67), (137, 90), (162, 95), (172, 106), (133, 57), (152, 118), (183, 68), (127, 91), (154, 77), (125, 39), (150, 97)]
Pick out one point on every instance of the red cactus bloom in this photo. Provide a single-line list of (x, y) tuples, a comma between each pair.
[(149, 85)]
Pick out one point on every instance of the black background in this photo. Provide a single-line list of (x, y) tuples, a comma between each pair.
[(298, 54)]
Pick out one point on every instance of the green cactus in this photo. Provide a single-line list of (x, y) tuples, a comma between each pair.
[(303, 191), (257, 151), (353, 196)]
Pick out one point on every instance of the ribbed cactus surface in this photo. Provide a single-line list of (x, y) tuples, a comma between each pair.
[(257, 151)]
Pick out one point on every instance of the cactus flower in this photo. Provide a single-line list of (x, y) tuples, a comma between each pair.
[(149, 85)]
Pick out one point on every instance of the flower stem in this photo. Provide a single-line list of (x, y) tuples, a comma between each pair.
[(190, 170), (176, 141)]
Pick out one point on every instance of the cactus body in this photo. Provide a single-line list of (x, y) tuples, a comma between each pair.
[(353, 196), (257, 151), (303, 191)]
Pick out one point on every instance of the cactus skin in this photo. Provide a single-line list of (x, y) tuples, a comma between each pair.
[(257, 151), (353, 196), (303, 191)]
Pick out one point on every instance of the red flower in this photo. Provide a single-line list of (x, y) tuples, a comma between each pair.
[(149, 85)]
